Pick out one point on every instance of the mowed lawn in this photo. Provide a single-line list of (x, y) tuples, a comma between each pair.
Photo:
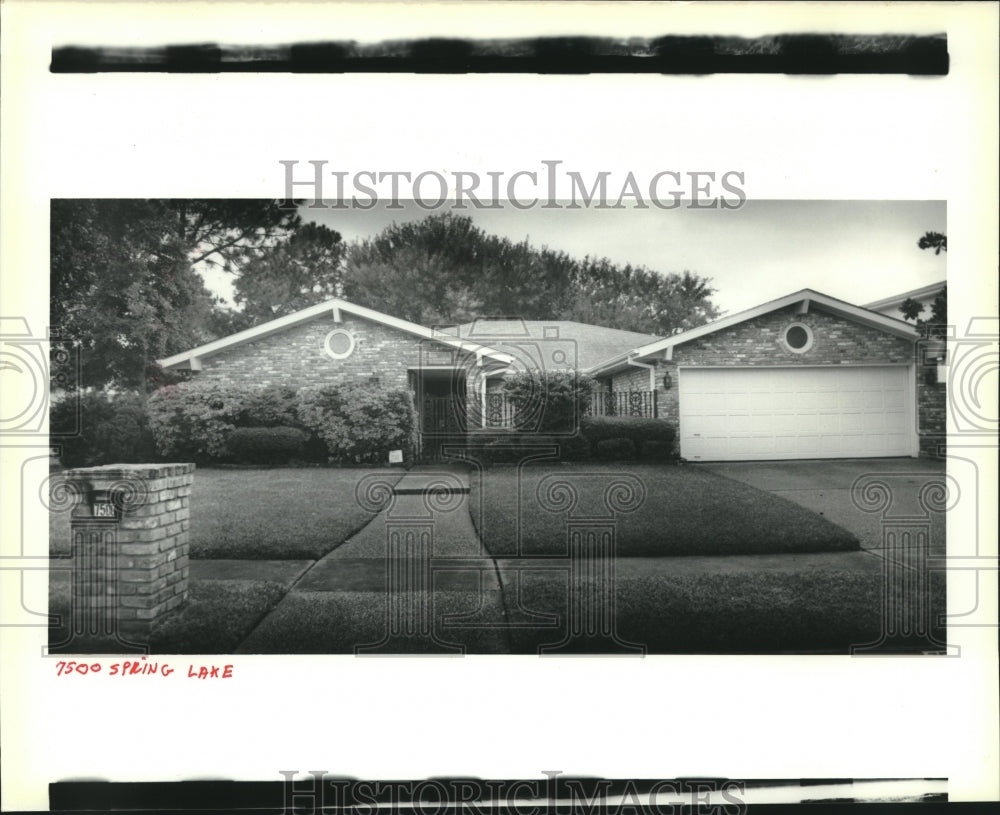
[(704, 564), (686, 511), (218, 616), (809, 604), (265, 514)]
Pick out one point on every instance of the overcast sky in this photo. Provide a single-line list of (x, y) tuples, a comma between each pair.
[(857, 251)]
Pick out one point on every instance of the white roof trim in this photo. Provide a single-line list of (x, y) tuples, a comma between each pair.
[(320, 309), (897, 299), (862, 315)]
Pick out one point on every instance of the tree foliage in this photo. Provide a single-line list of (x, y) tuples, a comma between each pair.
[(299, 272), (423, 272), (444, 269), (936, 325), (935, 241), (124, 282), (638, 299), (100, 428), (548, 401)]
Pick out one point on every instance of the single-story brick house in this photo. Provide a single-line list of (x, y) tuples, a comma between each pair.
[(455, 373), (804, 376)]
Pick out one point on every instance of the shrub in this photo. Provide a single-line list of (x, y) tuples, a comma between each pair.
[(268, 406), (597, 428), (510, 448), (616, 449), (267, 445), (657, 450), (193, 420), (360, 422), (107, 428), (548, 401), (506, 447)]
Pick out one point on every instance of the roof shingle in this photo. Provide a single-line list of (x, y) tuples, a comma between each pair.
[(594, 343)]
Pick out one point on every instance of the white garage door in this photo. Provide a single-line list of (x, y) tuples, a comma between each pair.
[(779, 413)]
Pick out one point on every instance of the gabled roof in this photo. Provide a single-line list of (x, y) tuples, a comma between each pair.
[(807, 297), (594, 343), (916, 294), (189, 359)]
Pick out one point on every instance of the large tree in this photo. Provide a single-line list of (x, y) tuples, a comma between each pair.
[(421, 271), (124, 284), (527, 282), (444, 269), (639, 299), (301, 271)]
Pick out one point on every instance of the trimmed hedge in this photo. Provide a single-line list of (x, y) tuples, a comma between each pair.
[(106, 429), (267, 445), (618, 449), (657, 450), (510, 448), (360, 422), (195, 420), (356, 423), (494, 449), (599, 428)]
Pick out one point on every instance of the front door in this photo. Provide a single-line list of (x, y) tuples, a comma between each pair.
[(441, 403)]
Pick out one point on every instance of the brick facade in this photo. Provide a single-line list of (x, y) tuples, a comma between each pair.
[(633, 379), (932, 399), (297, 356), (130, 569), (759, 342)]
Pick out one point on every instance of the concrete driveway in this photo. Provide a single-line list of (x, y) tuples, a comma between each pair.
[(825, 487)]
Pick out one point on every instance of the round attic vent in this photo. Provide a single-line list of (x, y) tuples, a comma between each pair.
[(798, 338), (339, 343)]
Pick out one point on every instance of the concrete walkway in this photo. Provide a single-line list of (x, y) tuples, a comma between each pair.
[(414, 580)]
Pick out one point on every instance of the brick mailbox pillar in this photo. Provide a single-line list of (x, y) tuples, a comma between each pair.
[(129, 525)]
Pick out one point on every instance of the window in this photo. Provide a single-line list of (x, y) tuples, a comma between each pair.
[(798, 338), (339, 343)]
